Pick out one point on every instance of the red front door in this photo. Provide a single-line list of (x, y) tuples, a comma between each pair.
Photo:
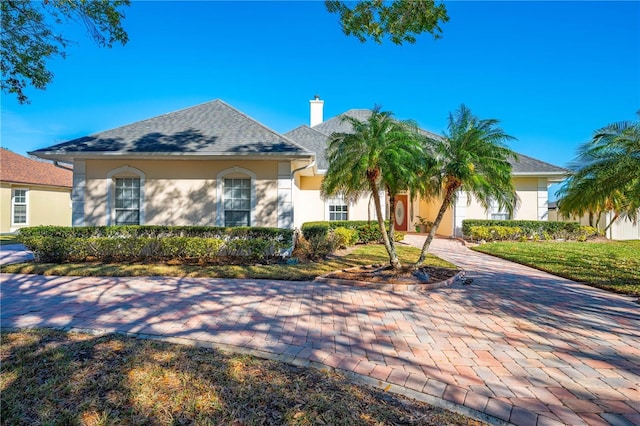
[(402, 210)]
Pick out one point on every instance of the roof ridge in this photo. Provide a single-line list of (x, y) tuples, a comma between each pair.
[(305, 126), (151, 118), (264, 126)]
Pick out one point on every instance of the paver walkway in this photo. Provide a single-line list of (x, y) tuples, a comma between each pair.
[(518, 344)]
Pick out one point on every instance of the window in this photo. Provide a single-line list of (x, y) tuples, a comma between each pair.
[(500, 216), (19, 206), (127, 200), (237, 202), (338, 209), (496, 213)]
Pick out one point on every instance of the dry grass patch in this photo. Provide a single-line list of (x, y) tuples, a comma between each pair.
[(50, 377)]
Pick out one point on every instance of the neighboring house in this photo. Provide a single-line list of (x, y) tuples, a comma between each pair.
[(32, 192), (213, 165), (621, 229)]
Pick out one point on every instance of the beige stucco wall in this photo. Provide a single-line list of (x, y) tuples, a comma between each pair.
[(428, 209), (45, 206), (531, 191), (309, 206), (532, 195), (185, 193), (5, 207), (527, 190), (181, 192)]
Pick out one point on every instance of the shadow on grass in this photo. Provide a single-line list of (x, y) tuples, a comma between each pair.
[(51, 377)]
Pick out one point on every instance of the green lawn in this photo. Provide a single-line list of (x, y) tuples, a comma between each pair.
[(612, 265), (359, 255), (52, 378)]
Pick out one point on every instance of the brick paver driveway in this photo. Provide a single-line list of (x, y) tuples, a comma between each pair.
[(517, 344)]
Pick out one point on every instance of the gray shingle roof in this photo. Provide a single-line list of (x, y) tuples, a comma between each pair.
[(212, 128), (313, 141), (525, 165), (528, 165), (336, 125)]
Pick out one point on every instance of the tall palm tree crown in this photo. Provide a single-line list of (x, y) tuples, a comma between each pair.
[(606, 174), (380, 153), (472, 157)]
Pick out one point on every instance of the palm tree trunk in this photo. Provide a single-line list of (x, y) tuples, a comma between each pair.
[(446, 202), (392, 221), (393, 257), (615, 217)]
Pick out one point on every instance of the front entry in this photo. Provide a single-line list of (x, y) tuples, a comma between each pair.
[(401, 213)]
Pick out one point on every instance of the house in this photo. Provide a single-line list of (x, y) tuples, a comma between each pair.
[(33, 192), (214, 165)]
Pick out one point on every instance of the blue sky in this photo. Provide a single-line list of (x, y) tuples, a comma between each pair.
[(551, 72)]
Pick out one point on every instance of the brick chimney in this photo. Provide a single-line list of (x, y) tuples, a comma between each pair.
[(316, 106)]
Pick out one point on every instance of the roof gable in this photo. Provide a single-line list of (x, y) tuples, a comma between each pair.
[(212, 128), (313, 141), (19, 169), (337, 125)]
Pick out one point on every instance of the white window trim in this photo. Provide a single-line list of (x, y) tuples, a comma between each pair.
[(220, 194), (327, 204), (111, 199), (13, 203)]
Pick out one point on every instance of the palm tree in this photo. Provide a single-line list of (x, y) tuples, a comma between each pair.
[(380, 153), (606, 174), (472, 157)]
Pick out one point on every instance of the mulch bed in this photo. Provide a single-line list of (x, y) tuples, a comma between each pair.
[(386, 275)]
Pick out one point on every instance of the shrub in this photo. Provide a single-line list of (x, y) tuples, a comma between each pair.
[(132, 243), (316, 247), (315, 230), (367, 231), (586, 232), (529, 229), (522, 230), (496, 233), (344, 237)]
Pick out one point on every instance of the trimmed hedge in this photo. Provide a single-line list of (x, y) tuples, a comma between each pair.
[(497, 230), (155, 243), (367, 232)]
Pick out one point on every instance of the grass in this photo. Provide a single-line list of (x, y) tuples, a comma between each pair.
[(359, 255), (51, 377), (7, 240), (612, 265)]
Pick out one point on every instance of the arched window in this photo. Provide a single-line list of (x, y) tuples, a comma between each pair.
[(125, 196), (236, 197)]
